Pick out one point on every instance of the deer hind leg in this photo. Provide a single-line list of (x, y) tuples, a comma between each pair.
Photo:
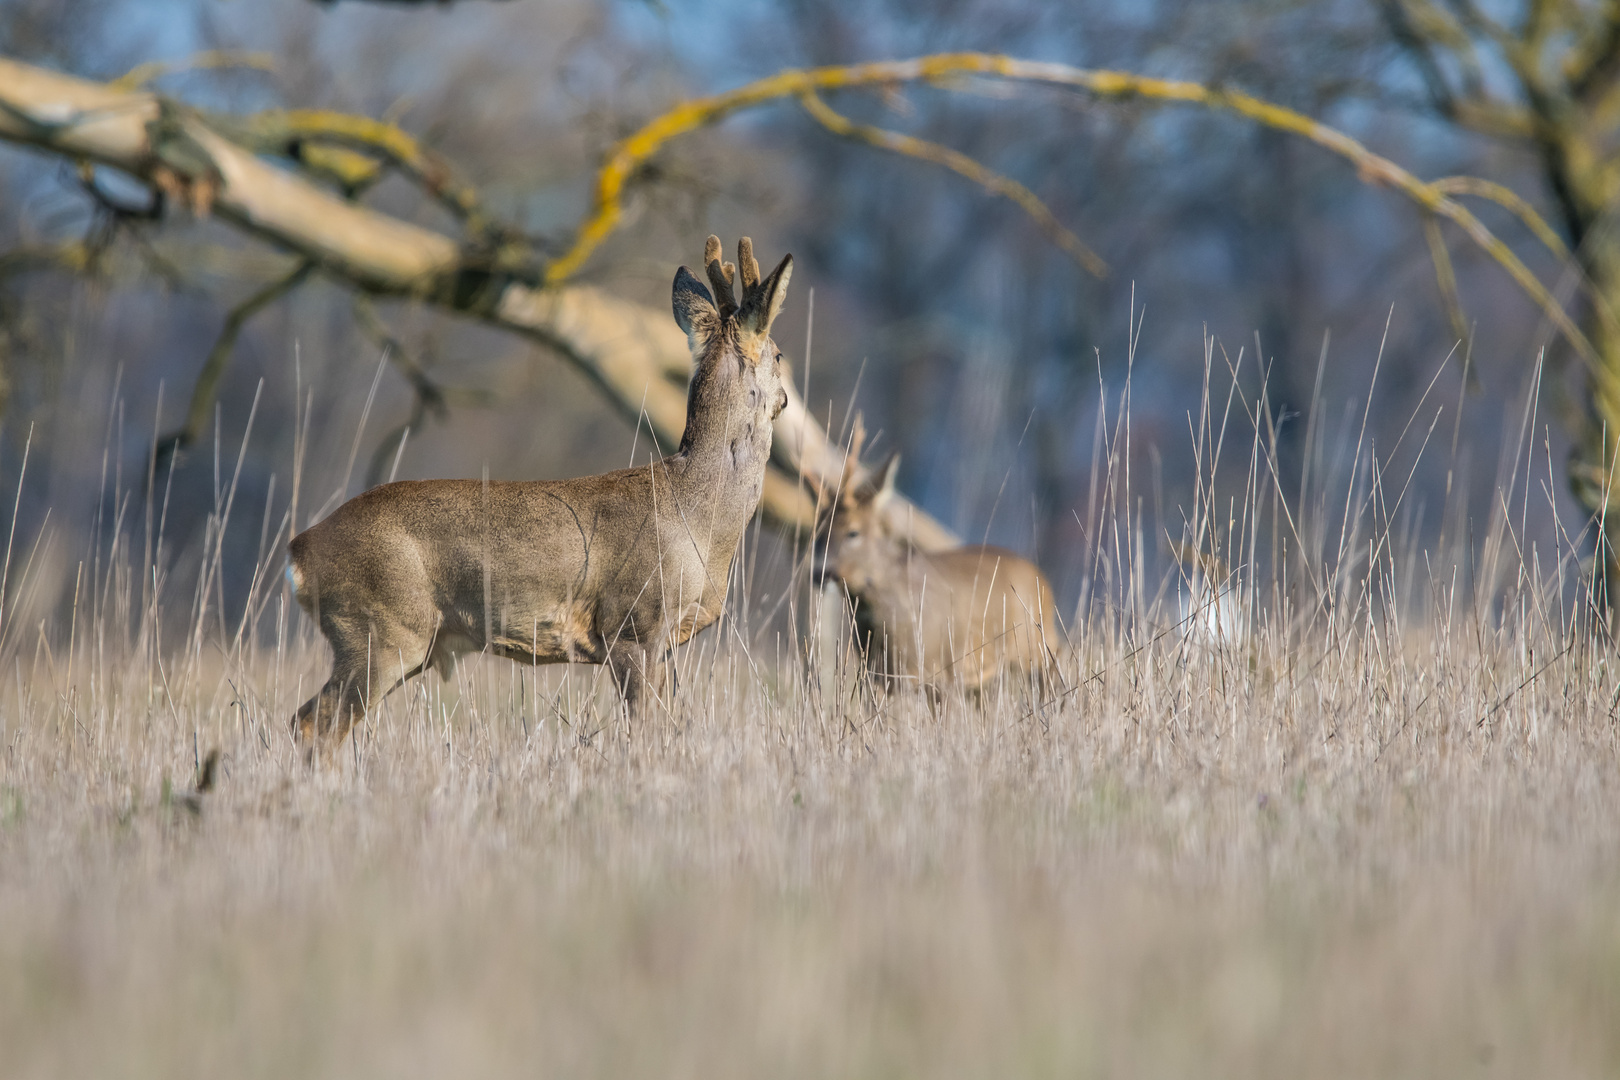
[(323, 720), (365, 667)]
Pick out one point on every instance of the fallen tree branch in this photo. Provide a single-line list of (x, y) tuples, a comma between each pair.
[(300, 134), (625, 348)]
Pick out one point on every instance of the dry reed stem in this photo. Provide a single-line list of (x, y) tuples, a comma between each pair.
[(1368, 836), (1241, 859)]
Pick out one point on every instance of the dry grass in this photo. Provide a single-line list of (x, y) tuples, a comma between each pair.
[(1374, 834)]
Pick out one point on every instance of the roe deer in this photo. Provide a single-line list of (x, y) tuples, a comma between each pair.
[(614, 569), (960, 617)]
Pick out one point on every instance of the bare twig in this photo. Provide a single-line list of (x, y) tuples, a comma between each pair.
[(219, 358), (1445, 276), (428, 396), (962, 165), (212, 60), (1510, 200)]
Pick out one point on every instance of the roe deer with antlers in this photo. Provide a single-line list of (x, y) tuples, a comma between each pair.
[(960, 617), (614, 569)]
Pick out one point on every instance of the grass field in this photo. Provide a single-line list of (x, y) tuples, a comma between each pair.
[(1367, 828)]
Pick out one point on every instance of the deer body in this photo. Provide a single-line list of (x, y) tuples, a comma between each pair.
[(961, 617), (615, 569)]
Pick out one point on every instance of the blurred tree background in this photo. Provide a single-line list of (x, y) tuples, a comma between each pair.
[(974, 346)]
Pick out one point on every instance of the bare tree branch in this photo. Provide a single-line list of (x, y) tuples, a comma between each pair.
[(301, 133), (1595, 62), (428, 396), (1510, 200), (962, 165), (212, 60), (74, 256), (1418, 48), (1445, 276), (1470, 106), (206, 388), (941, 69)]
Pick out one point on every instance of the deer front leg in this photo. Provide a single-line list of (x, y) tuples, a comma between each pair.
[(642, 678)]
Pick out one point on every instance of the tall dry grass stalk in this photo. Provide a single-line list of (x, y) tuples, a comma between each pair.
[(1335, 794)]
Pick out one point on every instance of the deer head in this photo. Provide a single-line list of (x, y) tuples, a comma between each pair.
[(736, 389), (854, 544)]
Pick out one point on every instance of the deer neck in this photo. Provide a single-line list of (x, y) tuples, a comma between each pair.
[(720, 468), (897, 583), (911, 572)]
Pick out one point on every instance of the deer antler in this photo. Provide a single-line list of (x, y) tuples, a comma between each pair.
[(722, 274), (749, 267)]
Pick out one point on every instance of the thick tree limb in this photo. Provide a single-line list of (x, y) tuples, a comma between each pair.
[(165, 145), (627, 349), (305, 133)]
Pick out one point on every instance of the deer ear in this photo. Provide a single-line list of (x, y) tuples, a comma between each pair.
[(885, 480), (765, 304), (694, 307)]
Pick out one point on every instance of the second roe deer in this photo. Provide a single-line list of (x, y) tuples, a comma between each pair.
[(959, 617), (614, 569)]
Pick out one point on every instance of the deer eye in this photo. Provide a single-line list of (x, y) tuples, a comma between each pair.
[(852, 534)]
